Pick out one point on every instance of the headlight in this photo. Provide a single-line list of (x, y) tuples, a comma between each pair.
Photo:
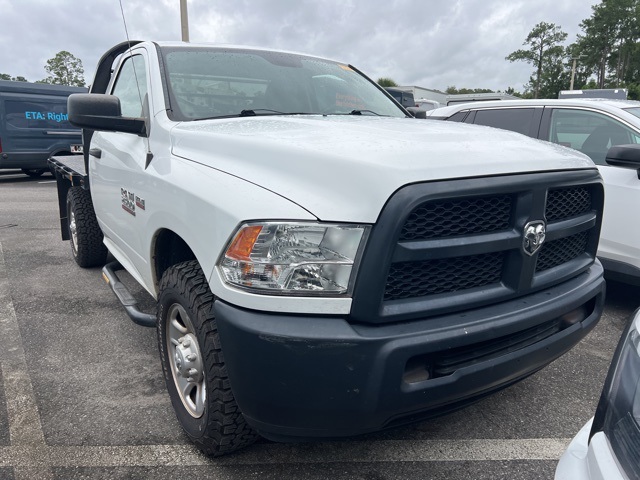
[(618, 414), (293, 258)]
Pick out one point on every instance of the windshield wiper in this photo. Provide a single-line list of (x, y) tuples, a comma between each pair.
[(266, 111), (255, 111), (359, 112)]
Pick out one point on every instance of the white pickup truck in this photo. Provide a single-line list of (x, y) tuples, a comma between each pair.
[(324, 264)]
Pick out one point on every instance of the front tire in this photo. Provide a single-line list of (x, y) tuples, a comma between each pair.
[(193, 363), (86, 238)]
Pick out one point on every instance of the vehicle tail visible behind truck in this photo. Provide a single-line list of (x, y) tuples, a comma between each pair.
[(34, 125)]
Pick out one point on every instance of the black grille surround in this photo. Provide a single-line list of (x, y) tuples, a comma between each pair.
[(450, 246)]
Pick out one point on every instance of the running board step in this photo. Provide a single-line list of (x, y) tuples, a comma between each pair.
[(124, 296)]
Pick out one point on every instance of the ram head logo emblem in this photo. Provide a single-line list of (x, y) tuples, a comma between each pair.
[(534, 235)]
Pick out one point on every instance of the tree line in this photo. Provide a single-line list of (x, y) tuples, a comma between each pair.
[(63, 69), (605, 55)]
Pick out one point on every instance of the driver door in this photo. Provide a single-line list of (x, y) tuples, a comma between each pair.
[(117, 167)]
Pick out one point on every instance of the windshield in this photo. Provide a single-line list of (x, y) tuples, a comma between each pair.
[(634, 111), (216, 82)]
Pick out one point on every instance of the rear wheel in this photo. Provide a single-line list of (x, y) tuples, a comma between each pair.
[(84, 232), (193, 363), (34, 172)]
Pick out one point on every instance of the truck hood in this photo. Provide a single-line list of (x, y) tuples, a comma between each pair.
[(345, 168)]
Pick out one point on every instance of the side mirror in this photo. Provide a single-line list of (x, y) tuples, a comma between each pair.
[(625, 156), (97, 111), (416, 112)]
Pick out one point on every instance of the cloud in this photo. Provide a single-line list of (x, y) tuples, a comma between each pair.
[(433, 43)]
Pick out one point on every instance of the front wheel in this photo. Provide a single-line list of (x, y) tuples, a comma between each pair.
[(193, 364)]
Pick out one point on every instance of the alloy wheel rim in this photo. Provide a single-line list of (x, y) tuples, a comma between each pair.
[(73, 229), (185, 360)]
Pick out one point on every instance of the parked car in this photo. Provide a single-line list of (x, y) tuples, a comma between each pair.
[(34, 125), (427, 104), (607, 446), (591, 126)]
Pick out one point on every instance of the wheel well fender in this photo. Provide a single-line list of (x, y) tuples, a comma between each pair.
[(169, 249)]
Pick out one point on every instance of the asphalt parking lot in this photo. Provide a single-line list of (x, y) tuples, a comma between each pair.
[(82, 394)]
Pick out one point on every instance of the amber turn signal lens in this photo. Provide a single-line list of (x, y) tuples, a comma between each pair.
[(242, 245)]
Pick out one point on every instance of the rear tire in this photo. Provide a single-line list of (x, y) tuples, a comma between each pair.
[(193, 363), (86, 238), (34, 172)]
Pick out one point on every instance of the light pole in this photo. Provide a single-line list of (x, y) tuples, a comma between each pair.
[(184, 20), (573, 69)]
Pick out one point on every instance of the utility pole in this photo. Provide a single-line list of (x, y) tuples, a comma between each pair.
[(184, 20), (573, 69)]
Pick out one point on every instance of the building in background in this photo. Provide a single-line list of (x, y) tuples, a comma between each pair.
[(427, 99)]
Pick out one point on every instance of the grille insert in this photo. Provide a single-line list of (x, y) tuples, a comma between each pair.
[(567, 202), (561, 251), (410, 280), (450, 218)]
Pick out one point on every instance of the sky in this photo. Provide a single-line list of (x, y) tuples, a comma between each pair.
[(429, 43)]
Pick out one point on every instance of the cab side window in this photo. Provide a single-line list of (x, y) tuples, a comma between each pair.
[(131, 86), (515, 119), (590, 132)]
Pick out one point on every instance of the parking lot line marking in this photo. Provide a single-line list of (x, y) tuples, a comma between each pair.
[(549, 449), (22, 412), (23, 417)]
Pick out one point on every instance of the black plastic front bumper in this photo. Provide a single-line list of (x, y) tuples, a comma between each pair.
[(301, 377)]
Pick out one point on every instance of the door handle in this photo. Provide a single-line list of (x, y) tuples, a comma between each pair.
[(95, 152)]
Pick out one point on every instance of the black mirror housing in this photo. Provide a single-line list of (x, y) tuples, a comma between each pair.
[(97, 111), (625, 156)]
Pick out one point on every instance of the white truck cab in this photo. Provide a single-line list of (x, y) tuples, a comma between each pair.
[(324, 264)]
